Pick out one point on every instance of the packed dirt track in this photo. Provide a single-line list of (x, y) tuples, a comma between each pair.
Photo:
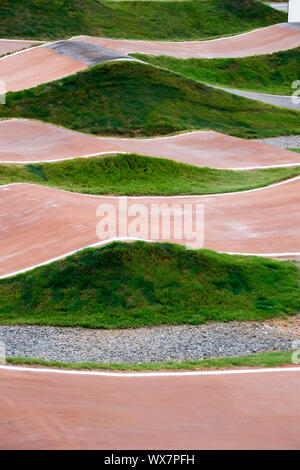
[(262, 41), (10, 45), (25, 141), (49, 62), (40, 224), (56, 410), (35, 66)]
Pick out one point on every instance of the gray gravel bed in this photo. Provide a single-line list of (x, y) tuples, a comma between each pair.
[(290, 141), (149, 344)]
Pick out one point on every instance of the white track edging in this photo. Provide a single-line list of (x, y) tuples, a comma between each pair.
[(151, 374)]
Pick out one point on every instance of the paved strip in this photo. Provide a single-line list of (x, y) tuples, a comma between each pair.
[(288, 102), (25, 141), (209, 411), (89, 54), (280, 6), (40, 224), (263, 41), (150, 344), (11, 45)]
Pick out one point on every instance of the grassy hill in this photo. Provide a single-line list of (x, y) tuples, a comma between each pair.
[(177, 20), (272, 73), (138, 175), (136, 99), (139, 284)]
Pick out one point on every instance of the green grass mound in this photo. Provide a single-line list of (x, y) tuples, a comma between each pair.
[(137, 284), (271, 73), (177, 20), (138, 175), (136, 99)]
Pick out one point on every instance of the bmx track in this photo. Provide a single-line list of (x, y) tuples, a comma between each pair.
[(25, 141), (67, 410), (262, 41), (209, 410), (8, 46), (40, 224)]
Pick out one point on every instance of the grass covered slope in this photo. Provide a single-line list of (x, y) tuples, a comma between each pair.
[(177, 20), (136, 99), (138, 175), (271, 73), (139, 284)]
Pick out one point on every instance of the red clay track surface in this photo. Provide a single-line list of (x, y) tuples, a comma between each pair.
[(60, 411), (50, 62), (35, 66), (9, 45), (39, 224), (265, 41), (24, 141)]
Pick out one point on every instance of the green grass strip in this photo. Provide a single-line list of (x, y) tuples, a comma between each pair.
[(139, 175), (268, 359), (272, 73), (176, 20)]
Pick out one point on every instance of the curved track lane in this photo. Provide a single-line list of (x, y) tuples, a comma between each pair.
[(25, 141), (12, 45), (45, 63), (262, 41), (214, 410), (32, 67), (39, 224)]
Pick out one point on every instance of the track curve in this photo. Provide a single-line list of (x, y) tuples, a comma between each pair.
[(40, 224), (12, 45), (25, 141), (262, 41), (48, 62)]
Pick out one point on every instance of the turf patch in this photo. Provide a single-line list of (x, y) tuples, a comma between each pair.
[(138, 175), (198, 19), (126, 285)]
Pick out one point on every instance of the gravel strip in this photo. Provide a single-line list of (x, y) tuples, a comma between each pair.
[(150, 344), (291, 141)]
